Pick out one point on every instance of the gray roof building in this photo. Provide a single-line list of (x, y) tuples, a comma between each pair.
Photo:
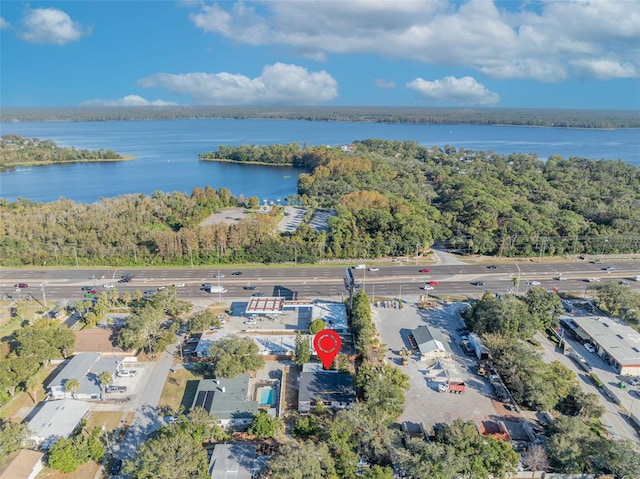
[(333, 388), (227, 399), (86, 368), (429, 342), (616, 342), (55, 420), (235, 461)]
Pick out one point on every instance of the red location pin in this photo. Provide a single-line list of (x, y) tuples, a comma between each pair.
[(327, 344)]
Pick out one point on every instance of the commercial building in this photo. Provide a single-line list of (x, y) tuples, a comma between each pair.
[(55, 420), (616, 342), (334, 389), (428, 345)]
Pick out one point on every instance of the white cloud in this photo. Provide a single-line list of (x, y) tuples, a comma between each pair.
[(129, 100), (50, 25), (451, 90), (605, 69), (4, 24), (278, 84), (382, 83), (543, 40)]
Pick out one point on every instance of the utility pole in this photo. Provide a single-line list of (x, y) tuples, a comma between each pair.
[(44, 297), (416, 254), (518, 283), (75, 252), (191, 255)]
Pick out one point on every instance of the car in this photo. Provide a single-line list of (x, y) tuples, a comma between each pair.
[(94, 291), (251, 321), (560, 278), (21, 285), (126, 373), (478, 283), (116, 467), (635, 381), (109, 286), (534, 283), (596, 261), (219, 275), (589, 347), (179, 285), (116, 389), (149, 292), (160, 288), (257, 295), (624, 282), (374, 269), (609, 269), (492, 266), (425, 270), (434, 283), (426, 287), (86, 288), (236, 273), (249, 287), (593, 280)]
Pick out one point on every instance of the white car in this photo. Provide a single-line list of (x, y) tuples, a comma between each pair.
[(108, 286), (374, 269), (589, 347), (560, 278), (534, 283), (427, 287), (126, 373), (251, 321), (179, 285)]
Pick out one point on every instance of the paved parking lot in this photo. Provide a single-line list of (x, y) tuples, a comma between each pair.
[(424, 404)]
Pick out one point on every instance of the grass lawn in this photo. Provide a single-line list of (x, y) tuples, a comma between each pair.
[(110, 419), (85, 471), (179, 390)]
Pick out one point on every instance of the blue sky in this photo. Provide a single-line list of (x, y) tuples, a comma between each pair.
[(547, 54)]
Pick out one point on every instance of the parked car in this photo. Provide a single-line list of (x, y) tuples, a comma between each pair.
[(589, 347), (179, 285), (86, 288), (21, 285), (149, 292), (126, 373), (116, 467), (257, 295), (425, 270), (251, 321), (94, 291), (116, 389)]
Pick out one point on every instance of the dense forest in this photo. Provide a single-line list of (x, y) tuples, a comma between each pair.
[(16, 150), (389, 197), (417, 115)]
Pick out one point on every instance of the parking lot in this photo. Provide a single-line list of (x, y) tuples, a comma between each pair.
[(424, 404)]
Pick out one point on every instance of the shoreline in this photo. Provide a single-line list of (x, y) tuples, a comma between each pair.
[(4, 168)]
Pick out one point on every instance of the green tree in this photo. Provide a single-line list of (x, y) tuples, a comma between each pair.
[(265, 426), (32, 384), (71, 385), (544, 307), (172, 453), (233, 355), (45, 340), (303, 351), (384, 387), (302, 460), (306, 427), (316, 326), (105, 378), (202, 425), (12, 435), (202, 321), (571, 445), (378, 472), (64, 456)]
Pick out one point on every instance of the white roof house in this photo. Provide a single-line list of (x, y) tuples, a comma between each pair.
[(86, 368), (56, 420)]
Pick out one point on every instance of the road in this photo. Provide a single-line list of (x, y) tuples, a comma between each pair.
[(63, 285)]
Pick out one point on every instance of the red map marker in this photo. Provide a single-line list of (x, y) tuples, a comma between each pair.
[(327, 344)]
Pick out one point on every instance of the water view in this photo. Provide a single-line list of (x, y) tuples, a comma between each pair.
[(166, 152)]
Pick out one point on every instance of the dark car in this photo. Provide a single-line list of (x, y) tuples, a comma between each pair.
[(21, 285), (492, 266), (86, 288), (257, 295), (236, 273), (249, 286), (478, 283), (116, 467), (94, 291), (425, 270)]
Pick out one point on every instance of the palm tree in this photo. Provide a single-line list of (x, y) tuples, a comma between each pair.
[(71, 386), (32, 385), (105, 378)]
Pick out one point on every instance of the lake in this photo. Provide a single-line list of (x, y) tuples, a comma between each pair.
[(166, 152)]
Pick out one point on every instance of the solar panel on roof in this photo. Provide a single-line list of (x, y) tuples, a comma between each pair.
[(200, 398), (209, 400)]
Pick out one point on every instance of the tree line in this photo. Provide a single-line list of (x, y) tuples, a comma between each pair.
[(414, 115), (389, 197), (16, 150)]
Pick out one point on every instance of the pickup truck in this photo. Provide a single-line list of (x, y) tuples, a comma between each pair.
[(457, 387)]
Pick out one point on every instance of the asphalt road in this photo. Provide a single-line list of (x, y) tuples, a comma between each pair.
[(308, 282)]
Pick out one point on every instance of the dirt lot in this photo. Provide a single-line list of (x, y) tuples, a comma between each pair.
[(226, 215)]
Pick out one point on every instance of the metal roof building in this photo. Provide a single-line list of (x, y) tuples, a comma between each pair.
[(616, 342), (55, 420), (429, 346), (235, 461), (85, 367)]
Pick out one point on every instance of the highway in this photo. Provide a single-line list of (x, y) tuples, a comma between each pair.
[(392, 280)]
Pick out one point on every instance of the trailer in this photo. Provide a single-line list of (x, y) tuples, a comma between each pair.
[(457, 387), (482, 353)]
